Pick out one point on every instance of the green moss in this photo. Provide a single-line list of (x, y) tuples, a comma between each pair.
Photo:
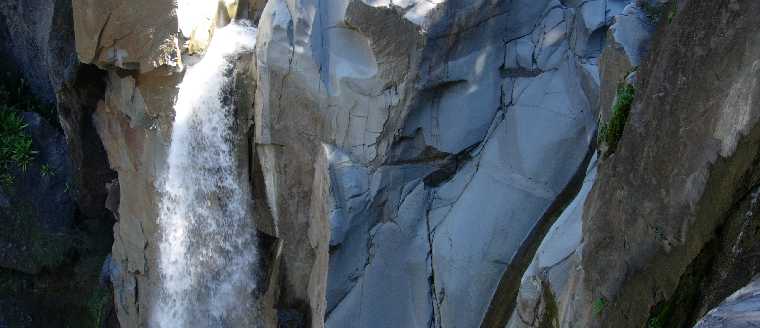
[(610, 132), (599, 305)]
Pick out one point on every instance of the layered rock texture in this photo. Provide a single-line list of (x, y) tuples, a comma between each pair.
[(426, 163)]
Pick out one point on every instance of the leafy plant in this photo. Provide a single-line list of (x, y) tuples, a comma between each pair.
[(15, 145), (47, 171), (16, 151)]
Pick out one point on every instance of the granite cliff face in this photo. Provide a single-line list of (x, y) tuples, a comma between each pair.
[(446, 163)]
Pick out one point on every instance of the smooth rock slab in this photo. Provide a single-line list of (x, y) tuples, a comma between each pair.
[(740, 310)]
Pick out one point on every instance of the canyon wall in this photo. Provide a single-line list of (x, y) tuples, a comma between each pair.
[(433, 163)]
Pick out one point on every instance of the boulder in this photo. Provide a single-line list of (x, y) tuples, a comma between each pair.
[(127, 35)]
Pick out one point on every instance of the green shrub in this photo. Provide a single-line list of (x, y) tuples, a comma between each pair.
[(610, 132), (15, 144)]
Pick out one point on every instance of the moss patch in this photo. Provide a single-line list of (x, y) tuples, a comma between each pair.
[(599, 305), (610, 132)]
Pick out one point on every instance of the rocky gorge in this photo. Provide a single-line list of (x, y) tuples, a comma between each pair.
[(380, 163)]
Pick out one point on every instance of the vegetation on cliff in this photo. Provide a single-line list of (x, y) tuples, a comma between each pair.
[(16, 151), (610, 132)]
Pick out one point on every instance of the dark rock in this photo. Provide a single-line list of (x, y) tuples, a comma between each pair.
[(36, 220), (77, 100), (688, 155), (26, 30), (740, 310)]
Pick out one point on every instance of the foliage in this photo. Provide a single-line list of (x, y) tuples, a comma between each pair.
[(15, 144), (47, 171), (599, 305), (610, 132), (16, 150)]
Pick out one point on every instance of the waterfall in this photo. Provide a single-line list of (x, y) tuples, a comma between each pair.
[(207, 248)]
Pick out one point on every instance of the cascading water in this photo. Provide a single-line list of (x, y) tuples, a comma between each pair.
[(207, 249)]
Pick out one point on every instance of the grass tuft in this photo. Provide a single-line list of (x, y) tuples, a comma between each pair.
[(16, 150), (15, 144)]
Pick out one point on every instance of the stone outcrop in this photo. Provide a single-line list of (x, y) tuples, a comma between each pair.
[(132, 36), (685, 162), (448, 128)]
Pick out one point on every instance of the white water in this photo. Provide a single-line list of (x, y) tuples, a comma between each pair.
[(207, 249)]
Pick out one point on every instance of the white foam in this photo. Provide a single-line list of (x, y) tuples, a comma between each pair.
[(207, 248)]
